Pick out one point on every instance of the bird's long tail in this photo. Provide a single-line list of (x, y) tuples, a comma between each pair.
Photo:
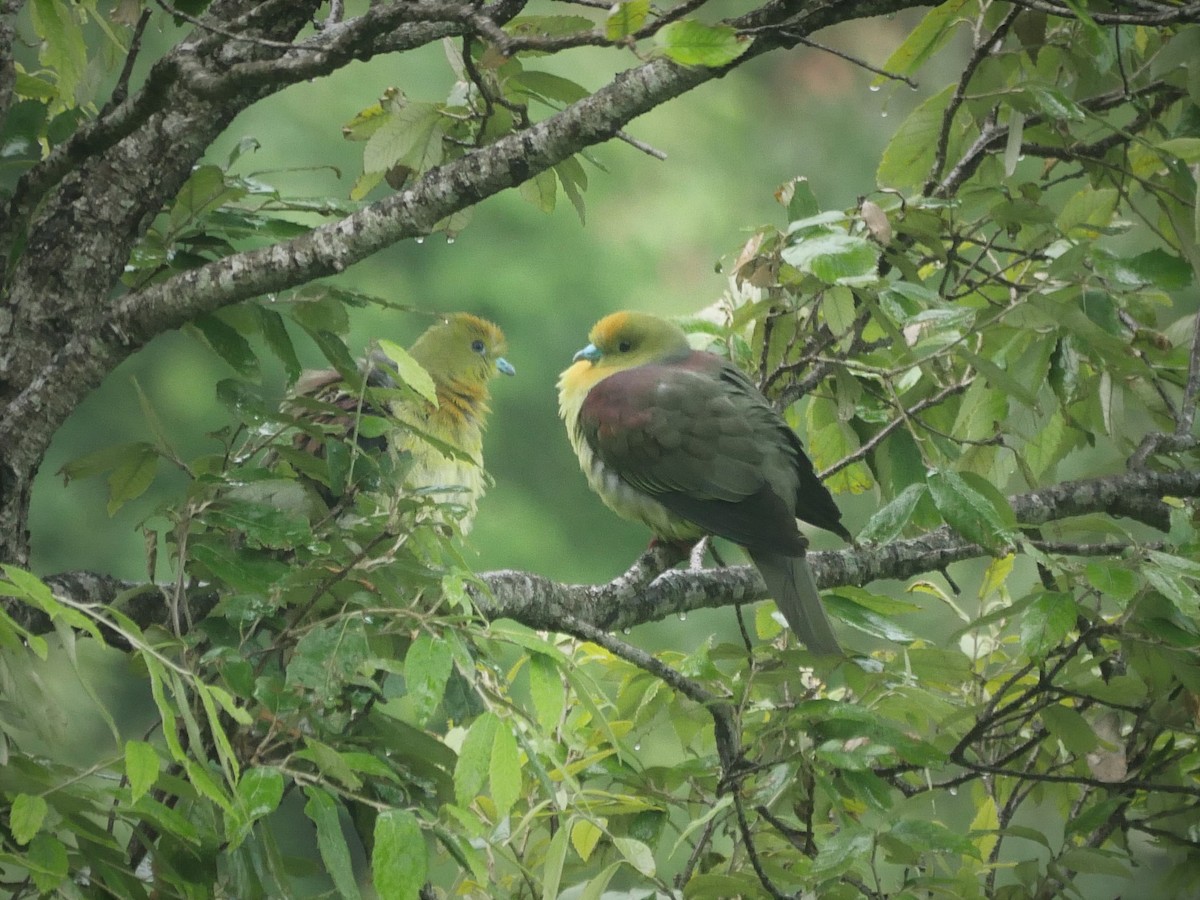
[(790, 581)]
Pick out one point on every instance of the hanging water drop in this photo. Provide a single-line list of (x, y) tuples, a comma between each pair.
[(449, 239), (420, 238), (883, 114), (683, 617), (874, 89)]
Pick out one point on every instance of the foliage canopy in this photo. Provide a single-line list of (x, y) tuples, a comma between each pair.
[(999, 344)]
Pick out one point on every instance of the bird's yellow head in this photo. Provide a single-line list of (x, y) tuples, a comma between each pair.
[(622, 341), (462, 350)]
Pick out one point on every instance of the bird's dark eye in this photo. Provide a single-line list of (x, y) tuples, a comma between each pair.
[(477, 346), (625, 346)]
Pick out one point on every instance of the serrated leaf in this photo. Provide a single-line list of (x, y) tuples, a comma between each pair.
[(888, 521), (399, 857), (556, 857), (100, 461), (1054, 103), (504, 770), (130, 479), (47, 862), (584, 837), (141, 768), (541, 190), (474, 759), (411, 136), (227, 343), (322, 809), (923, 41), (636, 854), (985, 825), (909, 155), (1070, 727), (427, 667), (1046, 623), (550, 86), (409, 371), (972, 514), (835, 257), (625, 18), (547, 690), (691, 43), (259, 791), (1112, 579), (1184, 148), (866, 620), (25, 817), (279, 342)]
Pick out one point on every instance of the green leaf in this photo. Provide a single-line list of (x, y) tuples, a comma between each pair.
[(691, 43), (585, 835), (25, 817), (225, 340), (908, 158), (866, 620), (595, 887), (264, 523), (1095, 862), (427, 666), (1046, 623), (130, 479), (411, 136), (549, 86), (924, 835), (243, 400), (835, 257), (399, 858), (259, 791), (541, 190), (63, 49), (1184, 148), (1071, 728), (474, 759), (546, 688), (1091, 210), (636, 854), (141, 767), (625, 18), (47, 862), (556, 857), (328, 656), (923, 41), (504, 771), (322, 809), (105, 460), (243, 569), (1056, 105), (888, 521), (410, 371), (980, 518), (279, 341), (1112, 579)]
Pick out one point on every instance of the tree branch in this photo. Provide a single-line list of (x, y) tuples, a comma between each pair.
[(650, 590)]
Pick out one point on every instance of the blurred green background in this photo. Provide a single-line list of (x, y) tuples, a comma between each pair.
[(654, 236)]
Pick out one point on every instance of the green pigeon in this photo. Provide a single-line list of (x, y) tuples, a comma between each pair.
[(683, 441)]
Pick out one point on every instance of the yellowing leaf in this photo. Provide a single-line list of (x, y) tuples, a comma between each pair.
[(410, 371), (584, 837)]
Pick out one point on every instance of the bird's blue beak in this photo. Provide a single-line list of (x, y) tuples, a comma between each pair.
[(591, 353), (505, 367)]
